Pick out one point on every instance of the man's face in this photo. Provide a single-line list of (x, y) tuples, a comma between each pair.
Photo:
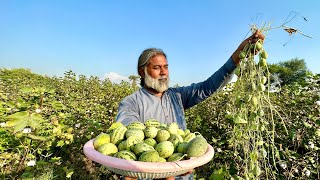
[(156, 75)]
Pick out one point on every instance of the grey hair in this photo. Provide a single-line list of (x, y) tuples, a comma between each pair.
[(145, 57)]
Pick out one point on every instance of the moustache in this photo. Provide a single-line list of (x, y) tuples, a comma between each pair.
[(163, 79)]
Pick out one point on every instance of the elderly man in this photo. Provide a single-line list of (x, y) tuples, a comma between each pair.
[(156, 100)]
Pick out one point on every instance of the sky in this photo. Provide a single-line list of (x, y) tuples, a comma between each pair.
[(104, 38)]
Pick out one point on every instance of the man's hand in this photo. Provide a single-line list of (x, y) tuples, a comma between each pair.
[(250, 40)]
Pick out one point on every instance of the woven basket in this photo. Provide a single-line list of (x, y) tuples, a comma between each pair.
[(146, 169)]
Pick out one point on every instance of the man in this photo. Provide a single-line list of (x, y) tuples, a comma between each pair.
[(156, 100)]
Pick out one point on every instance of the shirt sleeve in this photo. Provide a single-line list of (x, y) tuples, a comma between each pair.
[(127, 112), (197, 92)]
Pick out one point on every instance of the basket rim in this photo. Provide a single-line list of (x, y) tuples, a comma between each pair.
[(151, 167)]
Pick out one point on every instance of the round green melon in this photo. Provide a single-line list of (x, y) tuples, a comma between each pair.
[(108, 149), (162, 135), (151, 142), (149, 156), (140, 148), (101, 139), (125, 154), (197, 147), (165, 149)]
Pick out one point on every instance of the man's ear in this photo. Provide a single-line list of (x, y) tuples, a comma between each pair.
[(141, 72)]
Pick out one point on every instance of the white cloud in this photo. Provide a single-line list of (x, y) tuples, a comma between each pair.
[(115, 77)]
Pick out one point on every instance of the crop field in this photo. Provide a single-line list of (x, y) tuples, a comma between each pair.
[(256, 133)]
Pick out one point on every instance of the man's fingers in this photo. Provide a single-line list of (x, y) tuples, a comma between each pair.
[(255, 37), (258, 35)]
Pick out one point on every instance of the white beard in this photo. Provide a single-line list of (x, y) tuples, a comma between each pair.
[(160, 84)]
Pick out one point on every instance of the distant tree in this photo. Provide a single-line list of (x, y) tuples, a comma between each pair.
[(290, 71), (134, 79), (176, 86)]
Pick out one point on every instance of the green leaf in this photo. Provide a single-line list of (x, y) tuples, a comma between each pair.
[(239, 120), (37, 137), (42, 89), (60, 143), (41, 162), (14, 122), (55, 159), (235, 177), (27, 175), (293, 133), (57, 105), (2, 96), (36, 117), (11, 104), (22, 119), (19, 115), (34, 120), (218, 174), (51, 91), (260, 143), (33, 123), (69, 173), (20, 126), (307, 125), (233, 169), (26, 90)]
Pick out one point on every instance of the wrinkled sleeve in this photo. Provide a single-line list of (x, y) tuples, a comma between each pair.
[(198, 92), (127, 112)]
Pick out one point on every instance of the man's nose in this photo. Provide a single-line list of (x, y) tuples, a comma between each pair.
[(164, 71)]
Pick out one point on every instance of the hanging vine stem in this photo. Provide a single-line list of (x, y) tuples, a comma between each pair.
[(251, 125), (252, 112)]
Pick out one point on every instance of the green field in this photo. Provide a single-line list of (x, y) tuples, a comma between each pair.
[(45, 121)]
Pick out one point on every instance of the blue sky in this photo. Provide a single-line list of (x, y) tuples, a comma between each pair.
[(102, 37)]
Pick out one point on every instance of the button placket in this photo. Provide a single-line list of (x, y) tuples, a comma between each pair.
[(164, 104)]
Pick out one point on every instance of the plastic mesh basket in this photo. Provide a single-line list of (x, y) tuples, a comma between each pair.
[(146, 169)]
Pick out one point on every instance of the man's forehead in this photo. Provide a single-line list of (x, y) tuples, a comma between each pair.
[(158, 60)]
